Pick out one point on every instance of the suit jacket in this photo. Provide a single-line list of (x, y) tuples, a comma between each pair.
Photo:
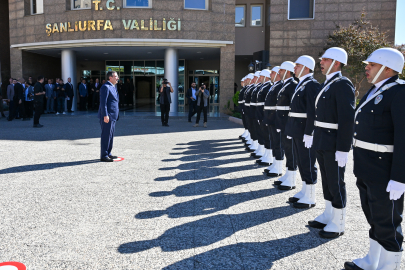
[(96, 88), (18, 92), (83, 90), (381, 121), (109, 100), (189, 94), (284, 99), (253, 100), (49, 88), (69, 90), (10, 92), (269, 117), (303, 102), (248, 97), (241, 100), (336, 106)]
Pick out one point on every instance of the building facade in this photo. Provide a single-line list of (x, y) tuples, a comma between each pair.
[(206, 41)]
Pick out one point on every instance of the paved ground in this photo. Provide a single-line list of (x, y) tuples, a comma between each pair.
[(183, 198)]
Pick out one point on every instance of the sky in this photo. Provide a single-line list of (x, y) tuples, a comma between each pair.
[(400, 23)]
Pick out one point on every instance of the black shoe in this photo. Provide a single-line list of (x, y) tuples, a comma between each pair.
[(18, 118), (106, 159), (2, 115), (259, 162), (249, 150), (303, 205), (293, 199), (352, 266), (277, 182), (329, 235), (280, 187), (26, 119), (274, 175), (163, 124), (38, 126), (166, 125), (315, 224), (189, 121), (113, 157), (266, 170)]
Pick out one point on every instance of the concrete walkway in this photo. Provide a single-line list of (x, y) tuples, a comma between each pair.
[(183, 198)]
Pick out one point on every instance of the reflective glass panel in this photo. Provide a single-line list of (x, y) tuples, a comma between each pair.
[(301, 9), (113, 66), (138, 68), (137, 3), (256, 15), (160, 68), (77, 4), (126, 65), (195, 4), (150, 68), (240, 16)]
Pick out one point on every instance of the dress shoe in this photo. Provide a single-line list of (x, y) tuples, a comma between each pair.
[(293, 199), (352, 266), (266, 170), (113, 157), (106, 159), (303, 205), (330, 235), (163, 124), (281, 187), (276, 182), (38, 126), (18, 118), (26, 119), (166, 125), (2, 115), (315, 224)]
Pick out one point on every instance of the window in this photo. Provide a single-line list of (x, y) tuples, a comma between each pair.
[(301, 9), (81, 4), (240, 16), (256, 15), (37, 6), (138, 3), (196, 4)]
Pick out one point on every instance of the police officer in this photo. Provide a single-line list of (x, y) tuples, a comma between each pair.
[(246, 107), (265, 158), (379, 158), (251, 121), (287, 181), (259, 152), (276, 168), (241, 101), (300, 126), (333, 134)]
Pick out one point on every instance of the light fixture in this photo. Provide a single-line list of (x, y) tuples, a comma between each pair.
[(106, 53), (198, 52), (149, 52)]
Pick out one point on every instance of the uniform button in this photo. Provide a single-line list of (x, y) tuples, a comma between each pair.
[(372, 111), (328, 130), (323, 97), (355, 134), (360, 110), (379, 157), (357, 122)]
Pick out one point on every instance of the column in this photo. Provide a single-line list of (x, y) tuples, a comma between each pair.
[(172, 75), (227, 76), (68, 62)]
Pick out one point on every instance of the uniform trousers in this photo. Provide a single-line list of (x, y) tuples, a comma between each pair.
[(334, 187), (83, 102), (28, 109), (164, 112), (289, 151), (107, 137), (278, 151), (383, 215), (266, 135), (260, 133), (38, 109), (69, 104), (245, 124), (252, 129), (306, 159)]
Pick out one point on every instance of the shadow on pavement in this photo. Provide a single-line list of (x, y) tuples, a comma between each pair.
[(46, 166)]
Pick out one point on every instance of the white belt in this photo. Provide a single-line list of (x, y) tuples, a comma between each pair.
[(253, 104), (240, 102), (326, 125), (260, 104), (298, 115), (270, 107), (373, 146), (247, 104), (283, 108)]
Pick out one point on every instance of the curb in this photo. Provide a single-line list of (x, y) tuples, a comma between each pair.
[(235, 120)]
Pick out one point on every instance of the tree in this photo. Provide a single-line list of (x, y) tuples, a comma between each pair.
[(401, 48), (359, 40)]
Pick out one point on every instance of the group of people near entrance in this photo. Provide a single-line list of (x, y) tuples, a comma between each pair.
[(286, 112)]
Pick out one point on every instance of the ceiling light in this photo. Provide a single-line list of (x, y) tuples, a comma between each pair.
[(149, 52), (106, 53), (198, 52)]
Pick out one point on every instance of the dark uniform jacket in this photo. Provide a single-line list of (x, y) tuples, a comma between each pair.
[(261, 97), (303, 102), (38, 88), (381, 121), (284, 99), (335, 106), (248, 96), (271, 101), (18, 92), (253, 101), (241, 98)]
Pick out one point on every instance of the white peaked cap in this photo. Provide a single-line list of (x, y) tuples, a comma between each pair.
[(265, 73), (276, 69), (388, 57), (244, 78), (250, 76), (288, 65), (257, 74), (307, 61), (336, 53)]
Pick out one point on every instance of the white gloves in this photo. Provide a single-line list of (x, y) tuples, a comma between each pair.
[(341, 158), (308, 140), (396, 189), (258, 121), (288, 137), (278, 130)]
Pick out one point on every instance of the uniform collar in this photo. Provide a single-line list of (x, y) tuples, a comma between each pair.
[(329, 76), (379, 84), (286, 80), (306, 76)]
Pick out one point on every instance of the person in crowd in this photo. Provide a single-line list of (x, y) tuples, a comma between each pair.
[(1, 106), (252, 145), (95, 88), (83, 95), (192, 101), (121, 92), (165, 100), (69, 94), (50, 96), (90, 94), (203, 95), (242, 100), (61, 97), (108, 114), (18, 100), (379, 157), (56, 92), (10, 96), (129, 91), (29, 98), (39, 93)]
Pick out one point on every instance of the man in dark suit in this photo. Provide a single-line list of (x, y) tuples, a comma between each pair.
[(95, 89), (83, 95), (39, 93), (192, 100), (18, 111), (108, 114), (70, 94)]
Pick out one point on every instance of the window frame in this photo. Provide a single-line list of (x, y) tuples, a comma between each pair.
[(72, 2), (125, 5), (299, 19), (244, 15), (32, 8), (206, 6), (261, 15)]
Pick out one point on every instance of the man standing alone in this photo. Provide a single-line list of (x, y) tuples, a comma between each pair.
[(108, 114), (39, 93)]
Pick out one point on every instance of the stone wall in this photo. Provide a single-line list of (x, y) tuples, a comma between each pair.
[(4, 45)]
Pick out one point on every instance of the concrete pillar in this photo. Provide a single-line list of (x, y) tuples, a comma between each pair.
[(172, 75), (227, 76), (68, 62)]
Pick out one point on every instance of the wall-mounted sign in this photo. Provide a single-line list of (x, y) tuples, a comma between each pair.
[(104, 25)]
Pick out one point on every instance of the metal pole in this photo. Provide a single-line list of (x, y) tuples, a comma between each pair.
[(68, 62)]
